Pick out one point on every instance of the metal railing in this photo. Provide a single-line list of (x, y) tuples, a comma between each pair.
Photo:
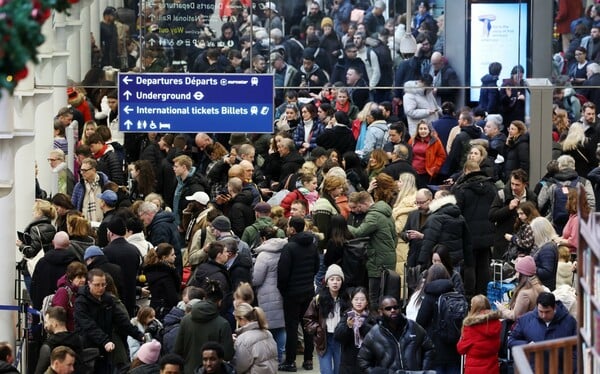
[(545, 356)]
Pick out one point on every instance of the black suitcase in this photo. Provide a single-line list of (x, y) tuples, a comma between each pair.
[(390, 284)]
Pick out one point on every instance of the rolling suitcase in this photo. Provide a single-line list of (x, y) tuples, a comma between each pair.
[(498, 289)]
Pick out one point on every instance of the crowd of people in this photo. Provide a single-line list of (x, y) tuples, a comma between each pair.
[(223, 253)]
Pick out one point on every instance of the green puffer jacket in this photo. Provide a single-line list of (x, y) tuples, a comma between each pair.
[(379, 226)]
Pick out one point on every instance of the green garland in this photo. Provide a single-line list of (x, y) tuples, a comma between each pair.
[(21, 34)]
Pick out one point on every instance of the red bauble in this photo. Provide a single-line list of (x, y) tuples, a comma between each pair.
[(21, 74)]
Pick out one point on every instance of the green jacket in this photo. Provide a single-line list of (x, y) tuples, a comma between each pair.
[(379, 226), (202, 325), (251, 233)]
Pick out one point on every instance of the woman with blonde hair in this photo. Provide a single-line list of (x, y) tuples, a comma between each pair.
[(89, 128), (560, 124), (38, 236), (405, 203), (255, 348), (326, 206), (546, 257), (81, 234), (480, 338), (359, 125), (574, 145)]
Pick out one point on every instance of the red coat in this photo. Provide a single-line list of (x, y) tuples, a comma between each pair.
[(287, 201), (568, 11), (435, 155), (480, 342)]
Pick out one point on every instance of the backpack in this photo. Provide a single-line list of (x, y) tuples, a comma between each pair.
[(560, 214), (47, 301), (451, 309), (354, 261)]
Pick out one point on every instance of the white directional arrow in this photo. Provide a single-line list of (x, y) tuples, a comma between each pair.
[(127, 109), (128, 123), (198, 95), (127, 94), (126, 80)]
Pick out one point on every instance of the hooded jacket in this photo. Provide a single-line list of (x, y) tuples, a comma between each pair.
[(460, 146), (446, 225), (381, 249), (201, 325), (418, 101), (255, 350), (414, 350), (162, 229), (297, 265), (480, 342), (47, 272), (264, 279)]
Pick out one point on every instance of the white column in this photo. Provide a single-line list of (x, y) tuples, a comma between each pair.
[(95, 19), (85, 49)]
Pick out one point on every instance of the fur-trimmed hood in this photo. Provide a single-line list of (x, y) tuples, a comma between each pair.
[(438, 203), (483, 317)]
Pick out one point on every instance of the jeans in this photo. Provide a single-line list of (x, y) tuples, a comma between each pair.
[(294, 308), (329, 363), (279, 337)]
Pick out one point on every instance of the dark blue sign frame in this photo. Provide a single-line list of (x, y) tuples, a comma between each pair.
[(178, 103)]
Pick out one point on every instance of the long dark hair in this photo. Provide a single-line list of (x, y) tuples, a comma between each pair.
[(444, 254), (326, 303), (338, 230)]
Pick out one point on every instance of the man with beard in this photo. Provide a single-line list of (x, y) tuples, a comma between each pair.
[(395, 330)]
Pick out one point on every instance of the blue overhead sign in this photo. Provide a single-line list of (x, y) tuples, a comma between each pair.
[(196, 102)]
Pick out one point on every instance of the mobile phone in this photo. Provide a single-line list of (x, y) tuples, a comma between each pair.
[(24, 237)]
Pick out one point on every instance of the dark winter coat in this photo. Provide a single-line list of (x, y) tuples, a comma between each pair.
[(240, 270), (474, 194), (516, 155), (193, 183), (171, 324), (145, 369), (339, 138), (79, 190), (96, 319), (445, 354), (201, 325), (489, 95), (42, 233), (512, 108), (460, 148), (289, 165), (162, 229), (297, 266), (480, 342), (240, 213), (67, 339), (345, 336), (164, 284), (447, 226), (395, 168), (531, 328), (127, 256), (504, 218), (7, 368), (546, 263), (443, 126), (414, 350), (165, 176), (214, 271), (47, 272), (110, 165), (79, 245)]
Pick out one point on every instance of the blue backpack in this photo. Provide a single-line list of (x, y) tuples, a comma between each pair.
[(560, 214)]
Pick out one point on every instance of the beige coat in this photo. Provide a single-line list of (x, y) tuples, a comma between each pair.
[(255, 350), (400, 215), (525, 300)]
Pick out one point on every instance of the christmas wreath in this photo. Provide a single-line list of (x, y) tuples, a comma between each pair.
[(21, 34)]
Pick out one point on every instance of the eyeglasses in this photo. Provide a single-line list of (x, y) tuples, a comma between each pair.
[(85, 170), (391, 307), (421, 202)]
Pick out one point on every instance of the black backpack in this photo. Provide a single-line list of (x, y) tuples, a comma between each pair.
[(354, 260), (451, 310)]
